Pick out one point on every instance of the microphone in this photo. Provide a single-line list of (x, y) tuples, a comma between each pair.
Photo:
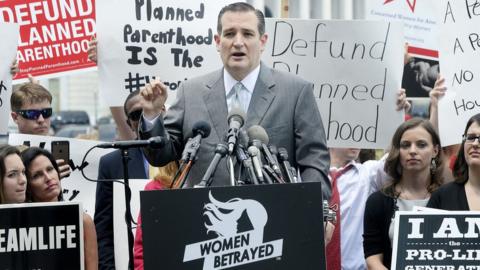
[(153, 142), (201, 129), (273, 163), (235, 122), (220, 151), (259, 138), (242, 155), (283, 155), (257, 135), (257, 163)]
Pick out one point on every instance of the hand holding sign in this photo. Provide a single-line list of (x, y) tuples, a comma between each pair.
[(92, 49), (154, 95), (14, 67), (402, 102)]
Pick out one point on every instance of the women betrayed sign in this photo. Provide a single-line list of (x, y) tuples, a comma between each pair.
[(242, 227), (436, 241), (32, 232)]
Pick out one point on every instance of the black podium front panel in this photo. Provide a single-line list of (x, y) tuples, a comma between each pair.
[(248, 227)]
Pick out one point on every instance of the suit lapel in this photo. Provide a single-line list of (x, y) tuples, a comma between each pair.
[(215, 101), (136, 165), (262, 97)]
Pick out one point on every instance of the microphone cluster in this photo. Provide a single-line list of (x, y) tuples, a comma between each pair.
[(259, 162)]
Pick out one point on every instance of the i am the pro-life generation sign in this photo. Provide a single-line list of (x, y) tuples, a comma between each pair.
[(436, 241)]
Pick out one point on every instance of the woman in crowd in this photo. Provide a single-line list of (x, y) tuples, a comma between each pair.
[(43, 185), (415, 165), (12, 175), (464, 192), (162, 180)]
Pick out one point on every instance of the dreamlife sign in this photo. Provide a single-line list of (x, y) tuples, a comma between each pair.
[(231, 248)]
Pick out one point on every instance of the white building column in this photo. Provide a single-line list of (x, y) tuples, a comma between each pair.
[(258, 4), (321, 9), (342, 9), (275, 7)]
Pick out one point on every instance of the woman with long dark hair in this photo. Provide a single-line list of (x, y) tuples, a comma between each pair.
[(43, 185), (464, 192), (12, 175), (415, 165)]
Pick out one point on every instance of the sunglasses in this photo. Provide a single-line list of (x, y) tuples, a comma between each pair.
[(35, 114), (135, 115)]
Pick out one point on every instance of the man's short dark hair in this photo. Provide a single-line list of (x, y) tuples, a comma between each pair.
[(242, 7), (130, 96), (29, 93)]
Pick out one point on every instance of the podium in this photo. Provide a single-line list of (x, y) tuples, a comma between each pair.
[(277, 226)]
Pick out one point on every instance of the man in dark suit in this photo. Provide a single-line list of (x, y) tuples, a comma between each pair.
[(111, 167), (280, 102)]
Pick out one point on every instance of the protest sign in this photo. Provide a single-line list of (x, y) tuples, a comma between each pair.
[(436, 241), (75, 187), (419, 22), (119, 225), (8, 49), (420, 29), (173, 40), (54, 35), (459, 53), (356, 68), (46, 236)]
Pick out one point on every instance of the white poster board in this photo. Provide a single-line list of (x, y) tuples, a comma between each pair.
[(459, 54), (119, 226), (8, 50), (169, 39), (75, 187), (419, 22), (356, 68)]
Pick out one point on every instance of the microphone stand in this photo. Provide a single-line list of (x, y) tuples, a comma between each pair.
[(188, 158), (231, 171), (183, 176), (128, 213)]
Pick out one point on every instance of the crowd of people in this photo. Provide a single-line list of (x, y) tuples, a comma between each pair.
[(415, 170)]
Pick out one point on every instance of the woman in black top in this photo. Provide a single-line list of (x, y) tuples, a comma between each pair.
[(464, 193), (414, 163)]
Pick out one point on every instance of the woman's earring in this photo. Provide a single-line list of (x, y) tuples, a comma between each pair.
[(433, 166)]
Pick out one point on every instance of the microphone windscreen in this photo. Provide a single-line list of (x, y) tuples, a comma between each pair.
[(201, 127), (236, 114), (257, 132)]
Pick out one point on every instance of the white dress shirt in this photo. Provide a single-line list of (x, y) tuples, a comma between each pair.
[(354, 187), (249, 82)]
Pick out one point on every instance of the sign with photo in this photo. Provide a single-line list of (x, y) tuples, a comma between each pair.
[(418, 18), (436, 240), (243, 227), (46, 236)]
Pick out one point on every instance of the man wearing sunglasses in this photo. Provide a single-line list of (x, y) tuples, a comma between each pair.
[(31, 106), (31, 109)]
